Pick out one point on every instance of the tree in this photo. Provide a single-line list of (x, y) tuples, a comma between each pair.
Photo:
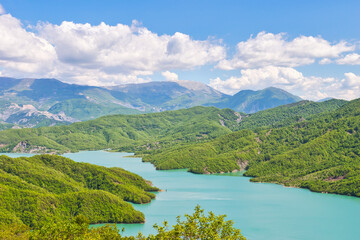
[(198, 226)]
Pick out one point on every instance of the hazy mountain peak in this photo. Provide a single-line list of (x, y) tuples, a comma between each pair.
[(251, 101), (195, 86)]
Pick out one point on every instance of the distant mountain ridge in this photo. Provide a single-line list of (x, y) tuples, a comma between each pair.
[(250, 101), (47, 102)]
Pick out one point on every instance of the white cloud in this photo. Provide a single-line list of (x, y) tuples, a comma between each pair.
[(2, 10), (23, 51), (268, 49), (289, 79), (351, 59), (170, 76), (325, 61), (123, 49), (105, 54), (351, 81)]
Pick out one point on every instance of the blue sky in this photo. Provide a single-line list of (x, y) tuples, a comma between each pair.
[(310, 48)]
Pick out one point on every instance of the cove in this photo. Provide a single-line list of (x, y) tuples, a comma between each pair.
[(260, 210)]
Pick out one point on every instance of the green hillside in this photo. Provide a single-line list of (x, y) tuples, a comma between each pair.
[(149, 132), (192, 226), (290, 113), (131, 132), (82, 109), (4, 126), (321, 154), (43, 188)]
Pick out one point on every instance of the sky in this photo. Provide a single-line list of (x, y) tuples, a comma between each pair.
[(309, 48)]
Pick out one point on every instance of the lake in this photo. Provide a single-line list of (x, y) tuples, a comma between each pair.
[(261, 210)]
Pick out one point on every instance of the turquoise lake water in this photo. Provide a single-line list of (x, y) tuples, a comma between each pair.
[(261, 210)]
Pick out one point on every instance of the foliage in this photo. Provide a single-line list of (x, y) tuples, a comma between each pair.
[(4, 126), (289, 114), (41, 188), (195, 226), (128, 132), (199, 226), (321, 153)]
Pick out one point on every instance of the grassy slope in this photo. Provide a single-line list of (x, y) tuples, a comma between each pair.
[(37, 189)]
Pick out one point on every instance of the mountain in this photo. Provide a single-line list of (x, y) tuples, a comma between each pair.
[(28, 116), (48, 102), (325, 99), (249, 101), (162, 96)]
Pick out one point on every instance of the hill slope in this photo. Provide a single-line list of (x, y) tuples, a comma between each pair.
[(249, 101), (45, 188), (290, 113), (153, 132), (131, 132), (321, 154)]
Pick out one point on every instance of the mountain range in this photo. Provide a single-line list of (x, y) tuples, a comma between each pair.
[(47, 102)]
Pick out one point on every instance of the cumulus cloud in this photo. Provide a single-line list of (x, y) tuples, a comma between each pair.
[(268, 49), (311, 87), (170, 76), (23, 51), (351, 80), (106, 54), (123, 49), (351, 59)]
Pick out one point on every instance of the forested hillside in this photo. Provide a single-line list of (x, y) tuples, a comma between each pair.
[(321, 154), (150, 132), (146, 131), (47, 188), (290, 113), (272, 145), (195, 226)]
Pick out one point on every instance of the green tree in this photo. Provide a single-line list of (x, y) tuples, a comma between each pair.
[(198, 226)]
